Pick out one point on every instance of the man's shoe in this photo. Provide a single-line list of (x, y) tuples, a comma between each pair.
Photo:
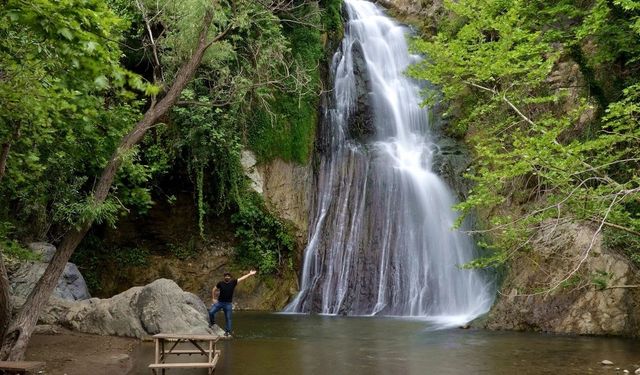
[(227, 333)]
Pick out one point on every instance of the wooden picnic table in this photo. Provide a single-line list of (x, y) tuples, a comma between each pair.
[(172, 340)]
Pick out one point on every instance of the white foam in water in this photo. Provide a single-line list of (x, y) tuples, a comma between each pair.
[(381, 239)]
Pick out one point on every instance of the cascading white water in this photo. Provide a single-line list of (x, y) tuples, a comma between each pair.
[(381, 241)]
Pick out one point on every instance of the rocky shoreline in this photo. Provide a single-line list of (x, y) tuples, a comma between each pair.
[(73, 353)]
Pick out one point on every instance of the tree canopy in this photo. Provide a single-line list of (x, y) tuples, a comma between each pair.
[(100, 99), (546, 92)]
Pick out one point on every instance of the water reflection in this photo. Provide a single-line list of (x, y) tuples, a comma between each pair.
[(269, 344)]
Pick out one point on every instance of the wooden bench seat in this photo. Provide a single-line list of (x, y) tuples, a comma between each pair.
[(183, 365), (187, 351), (20, 367), (210, 365)]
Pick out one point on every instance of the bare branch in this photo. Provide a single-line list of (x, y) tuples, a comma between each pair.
[(154, 48), (622, 286)]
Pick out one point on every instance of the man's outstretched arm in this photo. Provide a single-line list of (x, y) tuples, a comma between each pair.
[(251, 273), (215, 292)]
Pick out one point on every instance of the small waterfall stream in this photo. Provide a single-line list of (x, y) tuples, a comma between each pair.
[(381, 239)]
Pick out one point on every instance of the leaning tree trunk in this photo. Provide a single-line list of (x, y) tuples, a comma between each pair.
[(4, 151), (17, 336), (5, 299)]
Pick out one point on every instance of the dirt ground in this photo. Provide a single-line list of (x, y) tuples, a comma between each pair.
[(73, 353)]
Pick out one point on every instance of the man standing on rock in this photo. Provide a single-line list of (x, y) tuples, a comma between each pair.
[(222, 296)]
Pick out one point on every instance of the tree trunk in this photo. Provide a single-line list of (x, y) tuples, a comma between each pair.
[(5, 299), (4, 153), (3, 158), (17, 336)]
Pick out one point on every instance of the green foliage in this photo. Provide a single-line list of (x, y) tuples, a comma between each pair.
[(76, 213), (65, 107), (258, 87), (184, 251), (287, 134), (624, 242), (12, 249), (69, 96), (131, 257), (601, 279), (94, 255), (206, 139), (266, 242), (331, 17), (493, 63), (283, 126), (572, 282), (89, 257)]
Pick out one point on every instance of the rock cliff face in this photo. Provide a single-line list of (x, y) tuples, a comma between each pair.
[(422, 13), (200, 273), (286, 189), (601, 298), (413, 7)]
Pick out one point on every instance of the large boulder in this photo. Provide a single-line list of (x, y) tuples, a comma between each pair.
[(161, 306), (71, 285)]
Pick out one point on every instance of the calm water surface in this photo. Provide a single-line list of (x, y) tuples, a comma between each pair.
[(269, 344)]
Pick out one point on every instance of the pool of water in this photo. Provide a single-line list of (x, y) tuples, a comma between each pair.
[(269, 344)]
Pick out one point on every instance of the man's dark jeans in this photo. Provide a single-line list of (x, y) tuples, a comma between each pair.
[(226, 307)]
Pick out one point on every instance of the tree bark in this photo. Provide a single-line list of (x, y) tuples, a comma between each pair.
[(4, 154), (3, 158), (17, 336), (5, 299)]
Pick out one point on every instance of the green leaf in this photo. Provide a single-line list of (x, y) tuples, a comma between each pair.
[(65, 33)]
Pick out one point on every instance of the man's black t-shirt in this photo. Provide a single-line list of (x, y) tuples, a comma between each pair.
[(226, 290)]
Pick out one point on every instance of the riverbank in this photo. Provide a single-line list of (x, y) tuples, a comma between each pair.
[(272, 344), (74, 353)]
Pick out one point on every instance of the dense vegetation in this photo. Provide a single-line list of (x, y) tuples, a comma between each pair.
[(109, 107), (77, 75), (548, 95)]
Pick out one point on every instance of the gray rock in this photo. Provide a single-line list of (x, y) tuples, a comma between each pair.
[(248, 161), (71, 285), (163, 307), (122, 357), (46, 329), (45, 250), (138, 312), (606, 362), (452, 160), (578, 309)]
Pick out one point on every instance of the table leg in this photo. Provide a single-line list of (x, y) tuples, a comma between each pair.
[(157, 351), (210, 351), (163, 356)]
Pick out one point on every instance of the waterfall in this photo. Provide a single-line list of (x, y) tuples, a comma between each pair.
[(381, 239)]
